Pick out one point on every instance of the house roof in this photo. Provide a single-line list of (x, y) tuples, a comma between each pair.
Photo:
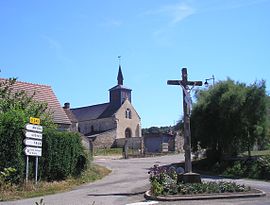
[(90, 112), (71, 116), (44, 93)]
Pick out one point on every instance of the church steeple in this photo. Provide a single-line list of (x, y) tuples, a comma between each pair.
[(119, 93), (120, 78)]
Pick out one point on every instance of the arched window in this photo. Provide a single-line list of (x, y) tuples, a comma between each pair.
[(128, 133), (128, 113)]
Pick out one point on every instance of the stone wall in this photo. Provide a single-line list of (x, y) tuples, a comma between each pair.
[(97, 125), (123, 122), (133, 143), (104, 140), (179, 142)]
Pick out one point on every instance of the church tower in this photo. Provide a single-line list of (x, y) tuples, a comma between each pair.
[(119, 93)]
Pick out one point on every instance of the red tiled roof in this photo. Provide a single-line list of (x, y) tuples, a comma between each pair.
[(44, 93)]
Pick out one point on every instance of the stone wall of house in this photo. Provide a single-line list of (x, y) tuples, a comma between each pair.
[(104, 140), (179, 142), (97, 125), (131, 122), (64, 127)]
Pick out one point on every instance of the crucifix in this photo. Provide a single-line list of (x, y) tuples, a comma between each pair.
[(185, 84)]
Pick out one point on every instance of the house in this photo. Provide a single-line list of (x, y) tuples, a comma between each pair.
[(163, 142), (44, 93), (109, 124)]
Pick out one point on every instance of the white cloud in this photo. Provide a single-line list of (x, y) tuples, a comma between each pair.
[(175, 12)]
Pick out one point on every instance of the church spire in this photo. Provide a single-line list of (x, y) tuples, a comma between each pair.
[(120, 78)]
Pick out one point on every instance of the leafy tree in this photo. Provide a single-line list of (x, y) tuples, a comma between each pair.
[(228, 117), (253, 116)]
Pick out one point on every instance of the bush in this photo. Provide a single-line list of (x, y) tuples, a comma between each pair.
[(6, 178), (258, 168), (11, 141), (62, 156)]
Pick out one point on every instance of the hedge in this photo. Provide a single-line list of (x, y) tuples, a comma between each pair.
[(62, 156)]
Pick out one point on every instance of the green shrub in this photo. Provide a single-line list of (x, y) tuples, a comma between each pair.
[(11, 141), (258, 168), (62, 156)]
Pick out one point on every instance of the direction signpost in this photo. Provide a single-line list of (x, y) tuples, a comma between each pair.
[(33, 142)]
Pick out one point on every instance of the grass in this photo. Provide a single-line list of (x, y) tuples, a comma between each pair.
[(108, 151), (29, 190), (257, 153), (113, 151)]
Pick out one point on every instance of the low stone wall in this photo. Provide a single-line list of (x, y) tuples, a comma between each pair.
[(133, 142), (103, 140)]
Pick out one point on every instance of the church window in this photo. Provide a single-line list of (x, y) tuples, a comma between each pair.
[(128, 113)]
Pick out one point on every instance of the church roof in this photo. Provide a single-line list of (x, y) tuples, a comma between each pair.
[(119, 87), (90, 112), (44, 93)]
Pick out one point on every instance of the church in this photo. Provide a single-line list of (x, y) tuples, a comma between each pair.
[(108, 124)]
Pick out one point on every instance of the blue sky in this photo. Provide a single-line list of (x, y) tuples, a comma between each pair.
[(73, 46)]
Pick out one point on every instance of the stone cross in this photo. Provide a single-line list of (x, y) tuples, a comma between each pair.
[(184, 83)]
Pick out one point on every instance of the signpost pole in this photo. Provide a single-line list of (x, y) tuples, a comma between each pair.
[(27, 168), (36, 174)]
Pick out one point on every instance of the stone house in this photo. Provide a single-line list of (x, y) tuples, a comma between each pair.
[(44, 93), (163, 142), (105, 124)]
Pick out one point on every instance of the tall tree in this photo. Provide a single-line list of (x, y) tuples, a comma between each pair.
[(222, 121)]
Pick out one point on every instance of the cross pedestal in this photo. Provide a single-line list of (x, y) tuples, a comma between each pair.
[(189, 176)]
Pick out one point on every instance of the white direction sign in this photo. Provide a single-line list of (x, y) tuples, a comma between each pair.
[(30, 142), (36, 128), (32, 151), (33, 135)]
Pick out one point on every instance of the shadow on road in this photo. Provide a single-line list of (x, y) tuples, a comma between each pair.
[(118, 194)]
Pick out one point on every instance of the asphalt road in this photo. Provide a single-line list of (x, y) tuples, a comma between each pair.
[(127, 184)]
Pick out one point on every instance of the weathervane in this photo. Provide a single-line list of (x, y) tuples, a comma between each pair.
[(119, 59)]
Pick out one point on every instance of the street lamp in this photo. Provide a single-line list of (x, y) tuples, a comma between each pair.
[(206, 80)]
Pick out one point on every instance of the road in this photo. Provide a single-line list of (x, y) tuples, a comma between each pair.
[(127, 183)]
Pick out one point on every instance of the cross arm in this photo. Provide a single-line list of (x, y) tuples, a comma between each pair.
[(180, 82)]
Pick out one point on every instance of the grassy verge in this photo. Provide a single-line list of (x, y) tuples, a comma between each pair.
[(108, 151), (257, 153), (29, 190)]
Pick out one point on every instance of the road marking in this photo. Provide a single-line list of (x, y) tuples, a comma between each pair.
[(144, 203)]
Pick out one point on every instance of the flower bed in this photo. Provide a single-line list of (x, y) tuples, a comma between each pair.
[(165, 181)]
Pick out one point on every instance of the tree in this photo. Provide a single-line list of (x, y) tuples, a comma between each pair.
[(254, 115), (228, 117)]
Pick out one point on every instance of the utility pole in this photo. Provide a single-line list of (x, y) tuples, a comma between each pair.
[(184, 83)]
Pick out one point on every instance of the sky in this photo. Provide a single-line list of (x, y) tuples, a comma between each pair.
[(73, 46)]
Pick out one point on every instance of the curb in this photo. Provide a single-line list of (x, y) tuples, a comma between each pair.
[(253, 193)]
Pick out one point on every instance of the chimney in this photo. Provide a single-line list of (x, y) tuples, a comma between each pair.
[(67, 105)]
